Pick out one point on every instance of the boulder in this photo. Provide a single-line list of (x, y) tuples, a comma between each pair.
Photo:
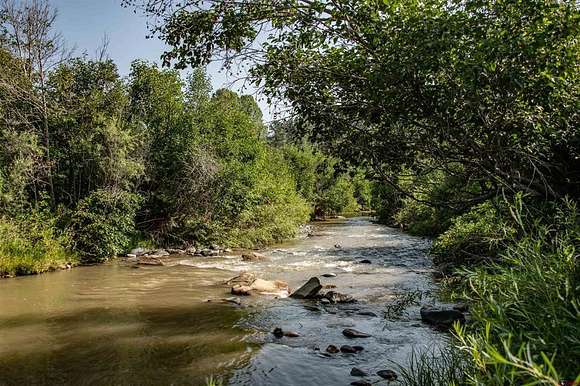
[(358, 348), (328, 275), (332, 349), (365, 261), (254, 256), (389, 375), (176, 251), (441, 317), (309, 290), (291, 334), (191, 251), (352, 333), (336, 297), (261, 285), (356, 372)]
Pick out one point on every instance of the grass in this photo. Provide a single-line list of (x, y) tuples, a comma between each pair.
[(30, 247), (439, 366), (211, 381), (524, 324)]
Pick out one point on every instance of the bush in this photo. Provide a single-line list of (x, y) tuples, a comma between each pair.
[(474, 236), (338, 198), (31, 246), (418, 218), (526, 306), (103, 223)]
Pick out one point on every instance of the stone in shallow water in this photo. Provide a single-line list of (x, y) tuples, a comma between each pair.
[(365, 261), (361, 383), (309, 290), (278, 333), (356, 372), (332, 349), (352, 333), (337, 297), (254, 256), (389, 375), (347, 349), (441, 317), (328, 275)]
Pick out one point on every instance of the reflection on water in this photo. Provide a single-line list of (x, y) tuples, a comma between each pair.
[(117, 325)]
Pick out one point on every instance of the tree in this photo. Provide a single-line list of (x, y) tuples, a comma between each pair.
[(30, 38), (485, 90)]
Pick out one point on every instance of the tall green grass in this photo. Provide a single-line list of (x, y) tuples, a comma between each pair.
[(526, 306), (524, 324), (30, 246)]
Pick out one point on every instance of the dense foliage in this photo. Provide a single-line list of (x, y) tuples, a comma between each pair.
[(155, 158)]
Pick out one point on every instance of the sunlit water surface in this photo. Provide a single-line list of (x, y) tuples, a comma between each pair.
[(114, 324)]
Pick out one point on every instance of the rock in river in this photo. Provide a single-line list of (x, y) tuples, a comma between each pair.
[(441, 317), (348, 349), (361, 383), (308, 290), (328, 275), (352, 333), (254, 256), (332, 349), (356, 372), (276, 286), (336, 297), (365, 261), (279, 333), (241, 290), (389, 375)]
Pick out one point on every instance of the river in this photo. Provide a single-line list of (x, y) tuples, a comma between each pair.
[(114, 324)]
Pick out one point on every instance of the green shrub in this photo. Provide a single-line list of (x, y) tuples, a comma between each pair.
[(103, 223), (418, 218), (525, 306), (276, 210), (474, 236), (338, 198), (30, 246)]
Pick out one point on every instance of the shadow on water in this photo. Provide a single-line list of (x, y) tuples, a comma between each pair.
[(123, 346)]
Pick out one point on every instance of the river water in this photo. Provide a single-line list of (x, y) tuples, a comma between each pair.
[(114, 324)]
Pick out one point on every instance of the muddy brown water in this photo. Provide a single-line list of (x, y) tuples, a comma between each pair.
[(114, 324)]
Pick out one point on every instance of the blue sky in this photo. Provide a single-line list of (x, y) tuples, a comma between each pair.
[(83, 24)]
